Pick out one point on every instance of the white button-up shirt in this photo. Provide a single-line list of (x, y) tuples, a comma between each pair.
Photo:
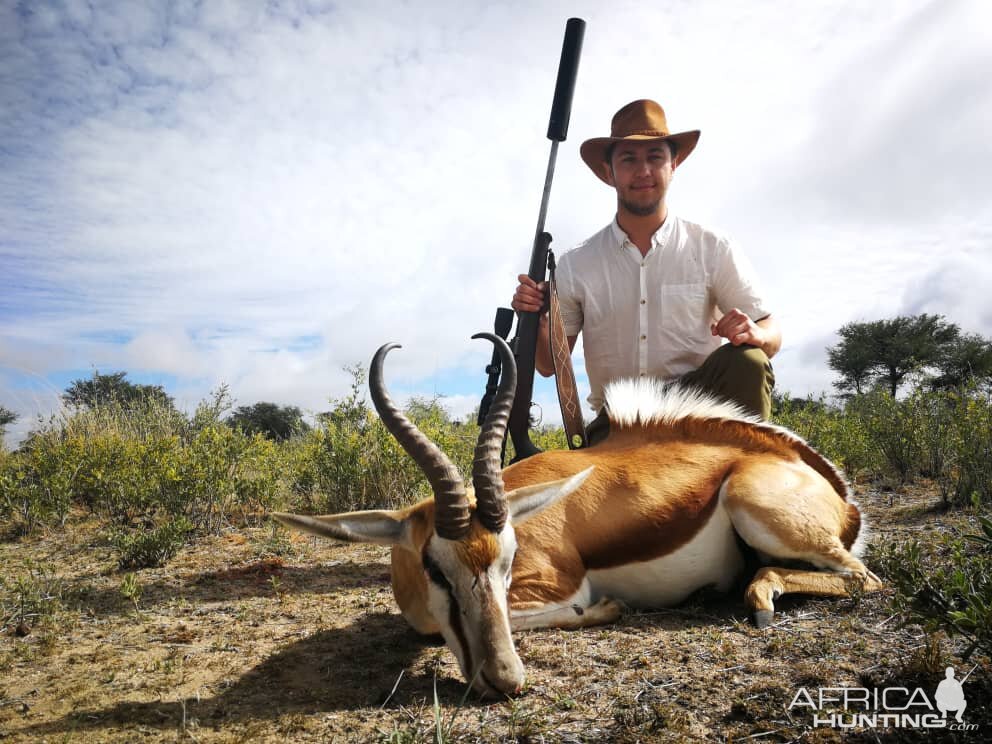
[(650, 315)]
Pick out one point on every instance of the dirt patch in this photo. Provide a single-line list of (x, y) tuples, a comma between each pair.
[(253, 637)]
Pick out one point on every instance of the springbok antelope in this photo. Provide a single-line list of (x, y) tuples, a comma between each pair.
[(658, 510)]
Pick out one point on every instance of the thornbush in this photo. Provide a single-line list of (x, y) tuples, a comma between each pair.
[(946, 585), (145, 548), (148, 464), (832, 431), (945, 435), (968, 476), (140, 464), (30, 596), (350, 461)]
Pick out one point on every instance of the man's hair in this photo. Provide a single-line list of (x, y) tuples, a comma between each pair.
[(672, 148)]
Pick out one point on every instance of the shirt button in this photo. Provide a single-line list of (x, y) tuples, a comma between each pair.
[(644, 338), (643, 301)]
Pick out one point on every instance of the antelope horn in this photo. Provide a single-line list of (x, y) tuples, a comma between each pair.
[(451, 511), (487, 476)]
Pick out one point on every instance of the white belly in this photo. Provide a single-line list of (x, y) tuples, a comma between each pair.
[(711, 557)]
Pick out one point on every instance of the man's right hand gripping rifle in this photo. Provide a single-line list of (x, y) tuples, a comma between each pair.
[(531, 297)]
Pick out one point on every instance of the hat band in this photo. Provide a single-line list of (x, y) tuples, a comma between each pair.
[(649, 132)]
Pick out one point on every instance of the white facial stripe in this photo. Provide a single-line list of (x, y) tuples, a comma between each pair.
[(472, 609)]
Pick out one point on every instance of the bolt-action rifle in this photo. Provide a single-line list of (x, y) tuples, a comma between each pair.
[(524, 345)]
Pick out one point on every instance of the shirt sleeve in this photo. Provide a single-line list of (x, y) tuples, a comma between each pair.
[(568, 298), (735, 283)]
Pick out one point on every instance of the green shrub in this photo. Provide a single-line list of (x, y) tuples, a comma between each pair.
[(36, 486), (145, 548), (834, 432), (890, 427), (968, 477), (30, 596), (145, 463), (946, 585), (350, 461), (137, 464), (931, 422)]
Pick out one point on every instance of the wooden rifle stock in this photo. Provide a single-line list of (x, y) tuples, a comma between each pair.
[(524, 345)]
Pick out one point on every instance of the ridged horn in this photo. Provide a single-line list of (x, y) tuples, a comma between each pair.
[(487, 475), (451, 510)]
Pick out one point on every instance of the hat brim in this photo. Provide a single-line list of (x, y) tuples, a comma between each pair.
[(593, 151)]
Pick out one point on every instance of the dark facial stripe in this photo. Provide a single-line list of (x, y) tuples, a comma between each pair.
[(455, 619), (436, 575)]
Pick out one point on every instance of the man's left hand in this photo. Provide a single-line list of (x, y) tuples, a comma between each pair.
[(738, 329)]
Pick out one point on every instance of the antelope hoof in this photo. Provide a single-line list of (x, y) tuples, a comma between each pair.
[(610, 609), (763, 618)]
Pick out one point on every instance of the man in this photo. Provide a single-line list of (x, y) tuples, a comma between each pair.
[(950, 696), (655, 295)]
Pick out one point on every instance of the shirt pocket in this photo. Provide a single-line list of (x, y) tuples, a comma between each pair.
[(685, 313)]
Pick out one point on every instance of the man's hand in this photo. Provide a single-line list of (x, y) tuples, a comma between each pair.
[(739, 329), (530, 296)]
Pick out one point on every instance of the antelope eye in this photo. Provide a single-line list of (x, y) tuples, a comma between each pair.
[(435, 575)]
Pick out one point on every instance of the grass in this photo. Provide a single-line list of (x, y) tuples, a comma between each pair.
[(308, 646)]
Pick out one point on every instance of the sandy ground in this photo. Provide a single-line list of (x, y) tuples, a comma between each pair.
[(258, 635)]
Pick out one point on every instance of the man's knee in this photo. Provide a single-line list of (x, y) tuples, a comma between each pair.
[(742, 374), (747, 363)]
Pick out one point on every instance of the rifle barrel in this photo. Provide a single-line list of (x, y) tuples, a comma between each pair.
[(537, 271)]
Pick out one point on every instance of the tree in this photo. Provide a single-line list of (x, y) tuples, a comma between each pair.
[(113, 388), (907, 344), (853, 358), (270, 420), (351, 411), (887, 351), (7, 417), (968, 358)]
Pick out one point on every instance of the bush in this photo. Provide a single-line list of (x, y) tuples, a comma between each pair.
[(151, 547), (890, 426), (350, 460), (946, 585), (968, 476), (29, 597), (148, 464), (945, 435), (139, 464), (836, 433)]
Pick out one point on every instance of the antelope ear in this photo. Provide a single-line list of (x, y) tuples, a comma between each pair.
[(527, 501), (380, 527)]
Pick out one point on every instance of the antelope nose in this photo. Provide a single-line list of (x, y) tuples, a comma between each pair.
[(511, 678)]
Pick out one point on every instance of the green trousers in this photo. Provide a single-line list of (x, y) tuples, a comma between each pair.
[(739, 374)]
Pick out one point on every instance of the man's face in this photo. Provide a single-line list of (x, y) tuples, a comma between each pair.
[(641, 173)]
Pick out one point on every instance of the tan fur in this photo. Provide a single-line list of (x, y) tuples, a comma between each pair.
[(407, 575), (478, 549), (655, 484), (770, 582), (632, 509)]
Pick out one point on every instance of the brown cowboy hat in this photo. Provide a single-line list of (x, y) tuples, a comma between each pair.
[(638, 120)]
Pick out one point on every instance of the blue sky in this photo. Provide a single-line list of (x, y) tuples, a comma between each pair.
[(261, 194)]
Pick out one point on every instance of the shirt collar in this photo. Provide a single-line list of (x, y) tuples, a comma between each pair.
[(658, 239)]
